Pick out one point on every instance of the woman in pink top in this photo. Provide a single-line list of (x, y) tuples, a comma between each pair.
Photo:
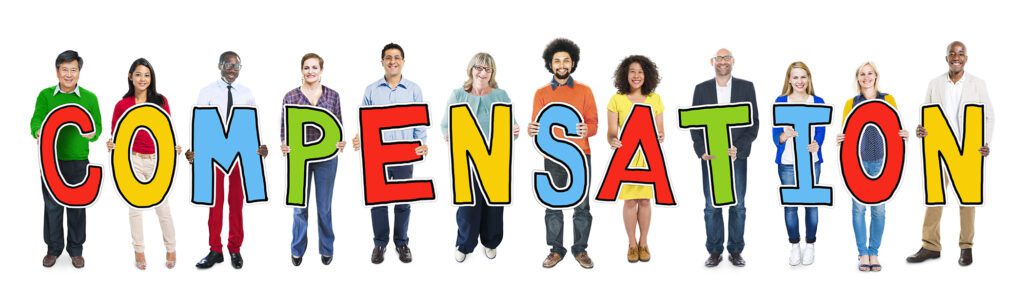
[(142, 89)]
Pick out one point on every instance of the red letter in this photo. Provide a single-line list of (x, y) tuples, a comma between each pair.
[(374, 120), (638, 134), (864, 187), (67, 194)]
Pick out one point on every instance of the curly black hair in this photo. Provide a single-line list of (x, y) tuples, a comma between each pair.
[(651, 77), (562, 45)]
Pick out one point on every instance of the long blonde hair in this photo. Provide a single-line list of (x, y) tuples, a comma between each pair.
[(486, 60), (787, 88), (856, 76)]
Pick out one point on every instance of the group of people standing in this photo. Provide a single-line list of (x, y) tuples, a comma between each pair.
[(635, 79)]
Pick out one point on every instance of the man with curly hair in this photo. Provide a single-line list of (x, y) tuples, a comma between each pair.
[(561, 57)]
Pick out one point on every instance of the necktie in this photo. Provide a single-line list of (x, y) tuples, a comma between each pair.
[(231, 100)]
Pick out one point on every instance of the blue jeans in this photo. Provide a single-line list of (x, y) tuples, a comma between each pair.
[(480, 221), (379, 214), (864, 246), (713, 220), (323, 174), (787, 177), (554, 220)]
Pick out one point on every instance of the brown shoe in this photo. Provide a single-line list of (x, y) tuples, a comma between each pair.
[(584, 260), (966, 257), (78, 261), (645, 254), (49, 260), (633, 254), (922, 255), (552, 259)]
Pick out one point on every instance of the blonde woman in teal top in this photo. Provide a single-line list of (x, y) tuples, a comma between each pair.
[(479, 221)]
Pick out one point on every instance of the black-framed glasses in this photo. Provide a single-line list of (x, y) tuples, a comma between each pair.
[(482, 68), (230, 66)]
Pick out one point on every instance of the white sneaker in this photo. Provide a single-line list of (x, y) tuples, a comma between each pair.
[(794, 255), (809, 254), (491, 253), (459, 256)]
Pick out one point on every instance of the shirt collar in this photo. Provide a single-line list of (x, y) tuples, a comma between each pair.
[(224, 84), (554, 83), (384, 82), (962, 79), (76, 92)]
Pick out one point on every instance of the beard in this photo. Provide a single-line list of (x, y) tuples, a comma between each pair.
[(562, 77)]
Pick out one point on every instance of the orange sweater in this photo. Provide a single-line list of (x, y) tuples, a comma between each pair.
[(579, 96)]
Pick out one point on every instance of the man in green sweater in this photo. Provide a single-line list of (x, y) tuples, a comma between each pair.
[(72, 157)]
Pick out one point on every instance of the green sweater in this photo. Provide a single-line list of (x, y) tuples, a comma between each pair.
[(70, 144)]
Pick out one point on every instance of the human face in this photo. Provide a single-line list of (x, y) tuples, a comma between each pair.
[(956, 58), (481, 75), (311, 71), (67, 74), (798, 80), (722, 62), (230, 68), (866, 78), (141, 78), (393, 62), (635, 76), (561, 64)]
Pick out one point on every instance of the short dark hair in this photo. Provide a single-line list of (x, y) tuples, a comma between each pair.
[(562, 45), (227, 54), (651, 77), (390, 46), (68, 56)]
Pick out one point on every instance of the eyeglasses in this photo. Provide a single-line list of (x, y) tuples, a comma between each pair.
[(722, 58), (230, 66), (482, 68)]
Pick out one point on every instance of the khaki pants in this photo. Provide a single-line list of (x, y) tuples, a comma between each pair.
[(144, 169), (932, 219)]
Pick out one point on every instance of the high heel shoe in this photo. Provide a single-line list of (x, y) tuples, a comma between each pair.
[(171, 259), (140, 260)]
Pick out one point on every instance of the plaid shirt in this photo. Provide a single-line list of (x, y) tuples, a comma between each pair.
[(329, 100)]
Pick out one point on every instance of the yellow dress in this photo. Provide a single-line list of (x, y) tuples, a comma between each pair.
[(621, 105)]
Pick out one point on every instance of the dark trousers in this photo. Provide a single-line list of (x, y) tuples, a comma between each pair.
[(73, 172), (379, 214), (554, 220), (479, 221), (713, 220)]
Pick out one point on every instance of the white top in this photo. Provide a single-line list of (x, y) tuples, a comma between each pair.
[(788, 155), (217, 94), (955, 92), (724, 93)]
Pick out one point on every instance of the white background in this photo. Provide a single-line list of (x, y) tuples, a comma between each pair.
[(184, 39)]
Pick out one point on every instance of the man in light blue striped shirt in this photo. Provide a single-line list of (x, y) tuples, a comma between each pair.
[(393, 89)]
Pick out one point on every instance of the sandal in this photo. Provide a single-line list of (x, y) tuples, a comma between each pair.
[(876, 267), (171, 260), (863, 266), (140, 260)]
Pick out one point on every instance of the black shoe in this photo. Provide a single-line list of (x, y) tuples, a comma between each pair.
[(326, 259), (296, 260), (378, 255), (404, 254), (737, 260), (922, 255), (236, 260), (211, 259), (966, 257), (713, 260)]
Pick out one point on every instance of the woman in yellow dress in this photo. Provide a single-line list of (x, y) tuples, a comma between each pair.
[(636, 78)]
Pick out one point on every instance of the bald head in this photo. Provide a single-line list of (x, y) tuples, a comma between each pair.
[(952, 46), (956, 58)]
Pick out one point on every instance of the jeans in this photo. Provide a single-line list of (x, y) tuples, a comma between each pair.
[(787, 175), (323, 174), (379, 214), (713, 220), (866, 246), (73, 171), (480, 221), (553, 218)]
